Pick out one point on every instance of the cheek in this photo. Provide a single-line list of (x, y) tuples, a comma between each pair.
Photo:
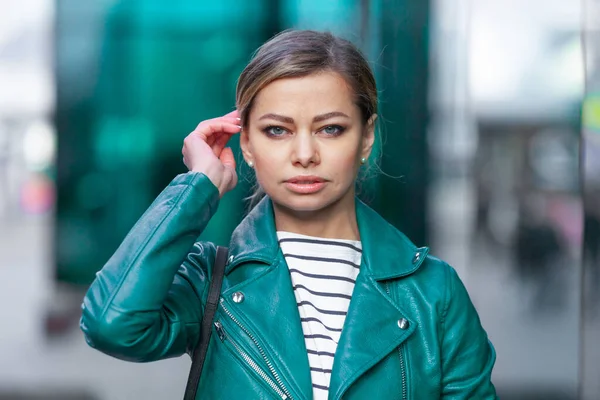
[(350, 167), (264, 169), (346, 160), (266, 155), (268, 167)]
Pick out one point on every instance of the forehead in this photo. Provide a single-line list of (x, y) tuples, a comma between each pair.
[(312, 94)]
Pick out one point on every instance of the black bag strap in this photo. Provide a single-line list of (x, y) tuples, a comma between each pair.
[(207, 320)]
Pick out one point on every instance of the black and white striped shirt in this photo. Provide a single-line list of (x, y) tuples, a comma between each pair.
[(323, 273)]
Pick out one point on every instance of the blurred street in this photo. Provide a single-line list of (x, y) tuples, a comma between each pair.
[(534, 325), (33, 366)]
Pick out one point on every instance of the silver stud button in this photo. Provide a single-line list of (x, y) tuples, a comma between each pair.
[(417, 257), (230, 260), (403, 323), (238, 297)]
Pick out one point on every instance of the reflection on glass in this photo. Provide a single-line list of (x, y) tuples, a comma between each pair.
[(590, 350), (505, 158)]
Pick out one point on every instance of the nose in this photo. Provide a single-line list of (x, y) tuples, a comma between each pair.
[(306, 152)]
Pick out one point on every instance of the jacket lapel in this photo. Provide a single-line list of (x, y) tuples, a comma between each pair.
[(374, 325), (269, 309), (371, 331)]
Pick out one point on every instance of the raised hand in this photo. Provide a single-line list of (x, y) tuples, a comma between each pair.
[(204, 150)]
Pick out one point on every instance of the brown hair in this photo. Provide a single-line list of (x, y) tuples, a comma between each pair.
[(298, 53)]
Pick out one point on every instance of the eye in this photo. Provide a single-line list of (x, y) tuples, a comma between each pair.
[(274, 130), (333, 130)]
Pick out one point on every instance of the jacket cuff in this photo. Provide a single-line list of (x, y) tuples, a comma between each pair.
[(200, 185)]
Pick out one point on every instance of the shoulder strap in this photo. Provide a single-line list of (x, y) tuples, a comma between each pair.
[(207, 320)]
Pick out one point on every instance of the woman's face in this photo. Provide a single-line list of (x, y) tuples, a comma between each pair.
[(305, 137)]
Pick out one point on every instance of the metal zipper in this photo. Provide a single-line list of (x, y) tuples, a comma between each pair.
[(403, 371), (249, 361), (401, 353), (281, 388)]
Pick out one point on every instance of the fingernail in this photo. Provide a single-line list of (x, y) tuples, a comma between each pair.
[(238, 118)]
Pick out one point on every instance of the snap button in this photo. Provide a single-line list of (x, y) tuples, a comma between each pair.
[(230, 260), (417, 257), (238, 297), (403, 323)]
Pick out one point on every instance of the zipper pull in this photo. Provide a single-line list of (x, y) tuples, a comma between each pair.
[(220, 330)]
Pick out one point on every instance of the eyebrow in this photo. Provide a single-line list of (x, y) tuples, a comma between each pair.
[(318, 118)]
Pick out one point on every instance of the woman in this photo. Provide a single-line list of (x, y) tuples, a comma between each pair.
[(322, 298)]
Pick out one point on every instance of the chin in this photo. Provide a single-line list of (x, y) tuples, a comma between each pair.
[(305, 203)]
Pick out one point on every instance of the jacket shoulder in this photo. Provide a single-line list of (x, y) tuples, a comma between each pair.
[(443, 285), (435, 270), (435, 280)]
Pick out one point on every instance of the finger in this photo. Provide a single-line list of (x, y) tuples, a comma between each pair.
[(226, 118), (233, 114), (218, 126), (208, 131), (220, 143), (232, 120), (227, 158), (221, 137)]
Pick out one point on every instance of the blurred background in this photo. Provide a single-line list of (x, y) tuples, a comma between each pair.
[(491, 156)]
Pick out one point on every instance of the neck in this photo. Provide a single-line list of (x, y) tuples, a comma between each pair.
[(336, 221)]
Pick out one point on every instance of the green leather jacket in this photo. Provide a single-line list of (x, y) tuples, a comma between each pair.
[(411, 331)]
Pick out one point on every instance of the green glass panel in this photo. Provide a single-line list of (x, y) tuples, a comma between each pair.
[(134, 78)]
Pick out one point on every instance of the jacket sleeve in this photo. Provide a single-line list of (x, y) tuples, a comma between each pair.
[(467, 355), (145, 303)]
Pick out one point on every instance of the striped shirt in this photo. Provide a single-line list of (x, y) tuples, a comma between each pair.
[(323, 273)]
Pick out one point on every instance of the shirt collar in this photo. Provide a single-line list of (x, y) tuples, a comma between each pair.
[(387, 252)]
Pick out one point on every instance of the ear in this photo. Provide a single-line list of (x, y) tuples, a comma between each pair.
[(245, 145), (368, 137)]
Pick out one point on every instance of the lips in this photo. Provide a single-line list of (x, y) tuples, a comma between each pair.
[(305, 180), (305, 184)]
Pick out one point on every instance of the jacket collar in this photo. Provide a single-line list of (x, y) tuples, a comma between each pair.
[(387, 252)]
